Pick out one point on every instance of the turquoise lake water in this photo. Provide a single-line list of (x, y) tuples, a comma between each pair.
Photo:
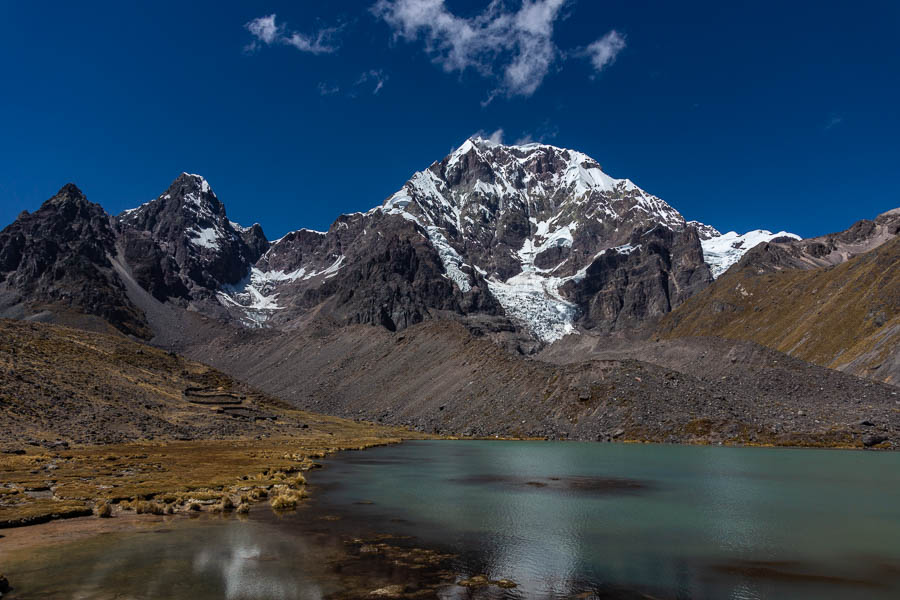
[(561, 519)]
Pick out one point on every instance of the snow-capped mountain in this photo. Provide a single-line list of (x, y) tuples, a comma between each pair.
[(529, 219), (531, 242), (535, 233), (182, 244)]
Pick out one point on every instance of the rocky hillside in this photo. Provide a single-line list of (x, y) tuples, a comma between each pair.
[(832, 300), (56, 260), (60, 385), (437, 377)]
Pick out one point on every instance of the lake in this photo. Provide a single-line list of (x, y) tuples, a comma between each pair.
[(560, 519)]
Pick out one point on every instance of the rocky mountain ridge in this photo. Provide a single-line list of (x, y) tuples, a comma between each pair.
[(525, 243), (833, 300), (533, 237)]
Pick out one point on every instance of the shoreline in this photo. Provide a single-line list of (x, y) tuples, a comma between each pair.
[(172, 477), (369, 561), (263, 469)]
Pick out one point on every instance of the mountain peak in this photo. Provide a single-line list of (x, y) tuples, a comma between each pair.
[(70, 189), (192, 182), (67, 194)]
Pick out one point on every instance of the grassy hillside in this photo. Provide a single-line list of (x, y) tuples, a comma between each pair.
[(845, 317)]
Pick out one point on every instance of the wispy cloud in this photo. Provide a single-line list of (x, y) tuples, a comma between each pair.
[(515, 48), (328, 89), (604, 51), (833, 121), (267, 31), (525, 139), (496, 136), (375, 76)]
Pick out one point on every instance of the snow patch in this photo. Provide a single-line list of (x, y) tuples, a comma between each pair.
[(535, 301), (450, 258), (254, 296), (725, 250), (208, 238)]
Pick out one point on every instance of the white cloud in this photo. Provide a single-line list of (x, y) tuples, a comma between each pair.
[(525, 139), (496, 136), (833, 121), (603, 52), (264, 29), (373, 75), (268, 32), (519, 43)]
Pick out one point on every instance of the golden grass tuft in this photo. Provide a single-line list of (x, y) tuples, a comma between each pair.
[(149, 508), (103, 510), (287, 499)]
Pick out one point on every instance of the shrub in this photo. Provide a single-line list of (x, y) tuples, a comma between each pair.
[(149, 508), (103, 510), (193, 506), (287, 499), (243, 508)]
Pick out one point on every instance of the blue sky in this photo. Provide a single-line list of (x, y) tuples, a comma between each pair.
[(740, 114)]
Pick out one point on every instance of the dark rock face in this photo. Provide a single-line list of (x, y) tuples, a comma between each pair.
[(182, 244), (255, 240), (368, 268), (155, 270), (59, 256), (627, 289)]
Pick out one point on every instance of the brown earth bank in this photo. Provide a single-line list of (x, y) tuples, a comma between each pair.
[(437, 377)]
